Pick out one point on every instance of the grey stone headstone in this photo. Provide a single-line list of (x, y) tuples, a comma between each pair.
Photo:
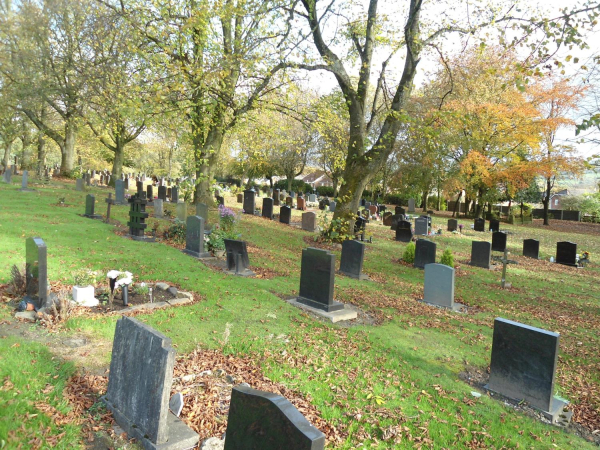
[(421, 226), (90, 205), (411, 205), (194, 237), (79, 184), (237, 257), (119, 192), (267, 208), (285, 214), (36, 271), (182, 211), (88, 179), (292, 194), (351, 261), (158, 208), (439, 285), (404, 231), (7, 177), (202, 211), (494, 225), (424, 253), (162, 193), (309, 221), (479, 225), (499, 241), (267, 421), (249, 201), (317, 275), (523, 365), (312, 198), (139, 385), (452, 224), (332, 206), (481, 254), (24, 180), (566, 253), (531, 248)]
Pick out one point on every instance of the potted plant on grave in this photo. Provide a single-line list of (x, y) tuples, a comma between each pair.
[(117, 278), (83, 291), (224, 230)]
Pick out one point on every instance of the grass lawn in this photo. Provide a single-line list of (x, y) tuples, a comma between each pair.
[(396, 380)]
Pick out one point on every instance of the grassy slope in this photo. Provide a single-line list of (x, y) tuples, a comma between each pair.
[(411, 362)]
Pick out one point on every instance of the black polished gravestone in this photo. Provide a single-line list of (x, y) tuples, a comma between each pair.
[(139, 387), (137, 217), (452, 224), (36, 271), (150, 194), (523, 365), (267, 208), (162, 193), (404, 231), (90, 205), (351, 261), (237, 258), (261, 420), (399, 210), (566, 253), (276, 201), (481, 254), (317, 274), (175, 194), (531, 248), (395, 219), (494, 225), (194, 237), (499, 241), (220, 200), (249, 201), (479, 225), (285, 214), (424, 253)]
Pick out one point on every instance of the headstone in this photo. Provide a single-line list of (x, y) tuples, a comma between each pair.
[(481, 254), (494, 225), (90, 205), (140, 189), (387, 219), (162, 193), (249, 201), (292, 194), (169, 193), (499, 241), (421, 226), (202, 211), (174, 194), (309, 221), (119, 192), (150, 193), (395, 219), (176, 404), (240, 198), (367, 205), (399, 210), (88, 179), (36, 271), (137, 216), (24, 180), (531, 248), (373, 210), (181, 211), (101, 179), (194, 237), (479, 225), (351, 261), (523, 365), (439, 285), (363, 202), (360, 225), (312, 198), (126, 184), (158, 208), (79, 184), (289, 201), (285, 214), (267, 421), (332, 206), (220, 200), (276, 200), (109, 202), (139, 385), (7, 176), (404, 231), (452, 224), (237, 257), (267, 208), (301, 204), (411, 205), (424, 253), (317, 275), (566, 253)]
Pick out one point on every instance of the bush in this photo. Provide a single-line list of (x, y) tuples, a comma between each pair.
[(325, 191), (297, 186), (447, 258), (409, 253), (336, 230), (394, 199), (229, 180), (176, 232)]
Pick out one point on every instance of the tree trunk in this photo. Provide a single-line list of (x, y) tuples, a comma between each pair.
[(546, 201), (205, 158), (350, 195), (478, 205), (289, 183), (117, 168), (41, 153), (457, 205), (68, 149), (7, 146), (335, 185), (425, 197)]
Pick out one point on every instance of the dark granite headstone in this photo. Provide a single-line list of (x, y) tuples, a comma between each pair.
[(452, 224), (360, 225), (531, 248), (479, 225), (499, 241), (249, 201), (90, 205), (425, 251), (317, 276), (194, 237), (494, 225), (267, 208), (276, 201), (174, 194), (566, 253), (387, 219), (162, 193), (139, 385), (481, 254), (351, 261), (285, 214), (421, 226), (399, 210), (150, 193), (404, 231), (267, 421), (36, 271), (395, 219), (439, 285), (523, 365), (309, 221), (240, 198), (237, 257), (220, 200)]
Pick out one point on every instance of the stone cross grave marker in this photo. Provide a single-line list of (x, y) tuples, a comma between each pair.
[(499, 241), (452, 224), (404, 231), (309, 221), (194, 237), (566, 253), (249, 201), (317, 276), (119, 192), (531, 248), (137, 217), (90, 206), (285, 214), (158, 208), (267, 421), (36, 271), (439, 286), (351, 261), (481, 254), (139, 385), (267, 208), (479, 225), (237, 258), (425, 251), (523, 365), (411, 205), (109, 201), (494, 225), (421, 226)]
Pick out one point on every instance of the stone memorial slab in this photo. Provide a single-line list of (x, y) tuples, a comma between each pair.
[(194, 237), (425, 252), (120, 192), (24, 181), (181, 211), (90, 205), (285, 214), (249, 201), (351, 261), (452, 224), (421, 226), (373, 210), (332, 206), (158, 208), (7, 176), (176, 404), (139, 385), (479, 225), (411, 205), (387, 219), (150, 194), (174, 194), (79, 184), (404, 231), (301, 204), (267, 208), (499, 241), (240, 198), (399, 210), (267, 421), (220, 200), (289, 201), (126, 185), (202, 211), (494, 225), (523, 365), (395, 219), (317, 275), (439, 286), (237, 258), (276, 199), (566, 253), (36, 271), (481, 254), (531, 248), (309, 221), (162, 193), (312, 198)]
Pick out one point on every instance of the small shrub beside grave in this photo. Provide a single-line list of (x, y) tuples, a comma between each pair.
[(409, 253), (447, 258)]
